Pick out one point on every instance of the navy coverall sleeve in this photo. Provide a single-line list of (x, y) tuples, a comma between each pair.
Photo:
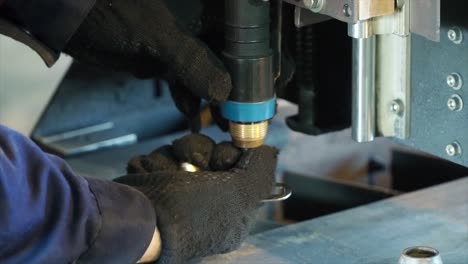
[(52, 22), (48, 214)]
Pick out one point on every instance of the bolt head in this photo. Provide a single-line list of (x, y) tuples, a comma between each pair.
[(451, 81), (347, 11), (396, 107), (453, 149), (452, 104), (450, 149), (455, 103), (452, 35), (314, 5), (455, 81), (455, 35)]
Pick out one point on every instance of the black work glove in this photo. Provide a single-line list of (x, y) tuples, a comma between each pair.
[(207, 212), (152, 38)]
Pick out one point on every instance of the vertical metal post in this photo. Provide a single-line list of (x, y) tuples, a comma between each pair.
[(364, 112)]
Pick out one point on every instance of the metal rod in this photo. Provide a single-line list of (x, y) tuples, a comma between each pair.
[(364, 89)]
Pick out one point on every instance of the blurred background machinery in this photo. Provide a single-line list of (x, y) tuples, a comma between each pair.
[(388, 74)]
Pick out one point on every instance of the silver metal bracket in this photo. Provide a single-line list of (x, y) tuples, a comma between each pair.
[(348, 11), (381, 76), (381, 30), (424, 15)]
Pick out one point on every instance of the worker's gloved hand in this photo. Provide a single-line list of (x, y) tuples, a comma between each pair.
[(206, 212), (152, 38)]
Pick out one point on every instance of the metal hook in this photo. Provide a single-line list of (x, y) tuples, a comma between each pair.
[(282, 192)]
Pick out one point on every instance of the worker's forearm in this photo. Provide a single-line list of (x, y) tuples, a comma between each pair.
[(52, 22), (154, 250), (45, 206)]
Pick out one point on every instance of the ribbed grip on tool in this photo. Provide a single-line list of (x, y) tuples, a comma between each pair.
[(247, 27), (248, 135), (247, 52)]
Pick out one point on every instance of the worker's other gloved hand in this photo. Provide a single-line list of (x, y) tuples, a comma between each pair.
[(206, 212), (157, 38)]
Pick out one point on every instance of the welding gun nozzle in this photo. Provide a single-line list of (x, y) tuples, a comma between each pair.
[(248, 135)]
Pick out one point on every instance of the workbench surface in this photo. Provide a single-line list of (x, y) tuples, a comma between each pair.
[(375, 233)]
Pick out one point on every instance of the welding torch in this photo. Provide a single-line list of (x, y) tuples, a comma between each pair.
[(248, 57)]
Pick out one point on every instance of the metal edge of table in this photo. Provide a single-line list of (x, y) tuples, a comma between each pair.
[(375, 233)]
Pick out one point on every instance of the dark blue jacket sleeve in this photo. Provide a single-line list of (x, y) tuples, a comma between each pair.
[(52, 22), (50, 215)]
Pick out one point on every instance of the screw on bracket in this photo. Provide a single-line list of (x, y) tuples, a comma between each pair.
[(455, 35), (455, 103), (396, 107), (347, 11), (455, 81), (453, 149), (314, 5)]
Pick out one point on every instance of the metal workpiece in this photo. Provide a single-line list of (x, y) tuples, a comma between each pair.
[(420, 255), (434, 217), (363, 116), (86, 139)]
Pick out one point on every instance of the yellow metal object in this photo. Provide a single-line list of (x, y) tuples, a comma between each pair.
[(375, 8), (248, 135), (188, 167)]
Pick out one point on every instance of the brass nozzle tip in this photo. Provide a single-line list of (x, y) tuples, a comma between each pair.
[(248, 135)]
